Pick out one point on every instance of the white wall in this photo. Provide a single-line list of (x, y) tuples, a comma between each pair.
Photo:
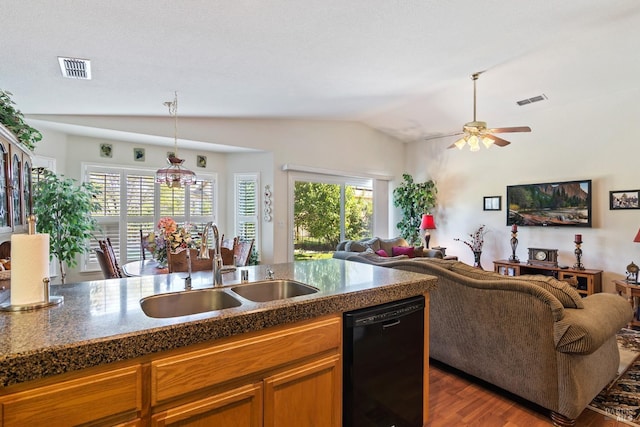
[(335, 145), (595, 140)]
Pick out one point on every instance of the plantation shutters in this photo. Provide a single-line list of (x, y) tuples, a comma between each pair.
[(131, 201), (246, 203), (140, 211)]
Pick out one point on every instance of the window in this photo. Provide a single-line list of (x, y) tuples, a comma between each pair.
[(328, 209), (246, 203), (131, 201)]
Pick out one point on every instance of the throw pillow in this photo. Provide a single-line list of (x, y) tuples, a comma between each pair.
[(382, 253), (403, 250)]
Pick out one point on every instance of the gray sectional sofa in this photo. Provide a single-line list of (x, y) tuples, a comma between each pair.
[(370, 248), (533, 336)]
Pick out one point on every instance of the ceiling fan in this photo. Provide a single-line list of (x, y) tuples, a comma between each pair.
[(476, 131)]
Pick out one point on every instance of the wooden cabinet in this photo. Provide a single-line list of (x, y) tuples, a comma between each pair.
[(279, 377), (241, 406), (306, 395), (589, 281), (16, 200), (631, 291), (113, 395)]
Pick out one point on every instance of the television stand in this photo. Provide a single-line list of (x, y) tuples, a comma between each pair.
[(589, 281)]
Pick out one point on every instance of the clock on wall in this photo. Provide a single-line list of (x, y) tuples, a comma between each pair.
[(539, 256)]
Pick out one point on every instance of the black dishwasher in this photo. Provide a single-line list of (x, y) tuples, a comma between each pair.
[(383, 365)]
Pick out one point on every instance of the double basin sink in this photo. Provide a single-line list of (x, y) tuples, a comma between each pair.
[(210, 299)]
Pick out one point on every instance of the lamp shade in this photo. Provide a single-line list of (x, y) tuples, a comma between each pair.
[(175, 176), (427, 222), (637, 239)]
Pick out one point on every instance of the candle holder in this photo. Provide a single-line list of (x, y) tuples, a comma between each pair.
[(578, 265), (514, 245)]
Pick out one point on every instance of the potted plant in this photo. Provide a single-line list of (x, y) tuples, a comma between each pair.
[(63, 210), (413, 199), (13, 120)]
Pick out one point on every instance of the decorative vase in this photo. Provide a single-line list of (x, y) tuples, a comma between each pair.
[(476, 259)]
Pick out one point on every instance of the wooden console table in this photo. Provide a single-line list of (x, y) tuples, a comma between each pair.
[(632, 292), (589, 281)]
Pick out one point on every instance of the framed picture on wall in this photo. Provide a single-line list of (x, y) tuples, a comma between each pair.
[(106, 150), (624, 199), (493, 203), (138, 154), (201, 161)]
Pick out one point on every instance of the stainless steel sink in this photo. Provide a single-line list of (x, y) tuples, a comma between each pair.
[(271, 290), (187, 302)]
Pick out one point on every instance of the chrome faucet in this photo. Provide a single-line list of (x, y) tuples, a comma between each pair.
[(204, 252)]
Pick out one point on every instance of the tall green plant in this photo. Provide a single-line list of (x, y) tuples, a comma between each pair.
[(413, 199), (63, 210), (13, 120)]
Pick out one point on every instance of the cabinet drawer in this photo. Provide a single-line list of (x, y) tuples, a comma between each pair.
[(76, 401), (177, 375)]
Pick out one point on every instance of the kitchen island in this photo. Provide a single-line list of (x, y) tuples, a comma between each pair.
[(101, 327)]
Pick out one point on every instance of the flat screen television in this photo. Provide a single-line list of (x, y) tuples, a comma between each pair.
[(553, 204)]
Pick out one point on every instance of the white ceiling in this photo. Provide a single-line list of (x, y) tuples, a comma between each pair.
[(400, 66)]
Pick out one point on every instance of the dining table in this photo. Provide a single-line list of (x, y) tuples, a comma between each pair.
[(143, 267)]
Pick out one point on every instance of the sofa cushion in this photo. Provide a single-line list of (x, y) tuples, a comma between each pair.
[(403, 250), (388, 244), (567, 295), (382, 253), (362, 245)]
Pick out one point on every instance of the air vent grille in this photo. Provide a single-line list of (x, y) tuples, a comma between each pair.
[(74, 68), (532, 100)]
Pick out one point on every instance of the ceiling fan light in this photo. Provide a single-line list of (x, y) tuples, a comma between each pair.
[(488, 142), (460, 143), (473, 143)]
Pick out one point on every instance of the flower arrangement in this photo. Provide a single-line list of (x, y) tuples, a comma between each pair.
[(169, 237), (477, 239)]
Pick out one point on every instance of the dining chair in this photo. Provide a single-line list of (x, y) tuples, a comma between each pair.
[(105, 265), (242, 252), (143, 246), (177, 262), (110, 257)]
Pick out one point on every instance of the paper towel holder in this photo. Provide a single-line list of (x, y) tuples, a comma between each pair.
[(49, 301)]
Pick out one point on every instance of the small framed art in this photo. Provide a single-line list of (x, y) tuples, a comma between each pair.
[(138, 154), (624, 199), (106, 150), (493, 203), (201, 161)]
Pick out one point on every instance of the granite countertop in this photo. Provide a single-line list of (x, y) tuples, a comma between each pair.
[(101, 321)]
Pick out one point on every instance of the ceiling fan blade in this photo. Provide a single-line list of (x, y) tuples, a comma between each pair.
[(512, 129), (498, 141), (428, 138)]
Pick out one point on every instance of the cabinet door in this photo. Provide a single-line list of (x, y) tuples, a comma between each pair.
[(78, 401), (308, 395), (240, 407)]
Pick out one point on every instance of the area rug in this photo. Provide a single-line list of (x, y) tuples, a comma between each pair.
[(620, 400)]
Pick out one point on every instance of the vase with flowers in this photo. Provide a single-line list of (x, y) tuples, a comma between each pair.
[(475, 244), (169, 237)]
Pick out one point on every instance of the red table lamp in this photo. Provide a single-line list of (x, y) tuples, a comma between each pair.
[(636, 240), (427, 224)]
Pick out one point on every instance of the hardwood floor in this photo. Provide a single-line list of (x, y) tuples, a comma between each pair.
[(457, 400)]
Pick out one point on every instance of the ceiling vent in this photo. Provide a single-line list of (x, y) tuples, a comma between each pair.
[(74, 68), (532, 100)]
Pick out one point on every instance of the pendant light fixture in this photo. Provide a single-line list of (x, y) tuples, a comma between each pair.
[(175, 176)]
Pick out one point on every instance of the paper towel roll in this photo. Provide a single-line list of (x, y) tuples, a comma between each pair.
[(29, 265)]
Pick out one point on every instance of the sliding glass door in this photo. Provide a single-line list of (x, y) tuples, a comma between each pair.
[(327, 210)]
